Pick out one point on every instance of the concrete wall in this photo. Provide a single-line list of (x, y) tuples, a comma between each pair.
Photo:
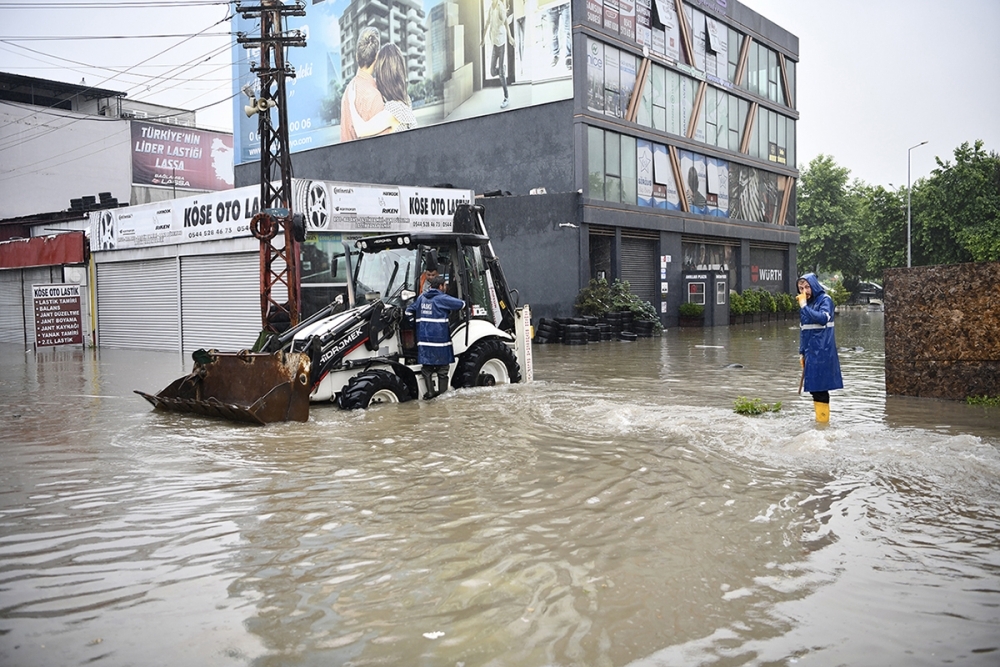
[(540, 258), (512, 151), (942, 331)]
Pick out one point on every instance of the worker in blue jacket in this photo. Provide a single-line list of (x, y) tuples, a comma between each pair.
[(434, 351), (817, 345)]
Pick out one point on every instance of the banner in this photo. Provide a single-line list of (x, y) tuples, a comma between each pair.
[(175, 156), (426, 62), (327, 206)]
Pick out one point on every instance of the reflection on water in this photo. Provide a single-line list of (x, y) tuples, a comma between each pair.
[(617, 511)]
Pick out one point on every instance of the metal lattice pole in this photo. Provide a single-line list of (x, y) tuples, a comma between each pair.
[(279, 256)]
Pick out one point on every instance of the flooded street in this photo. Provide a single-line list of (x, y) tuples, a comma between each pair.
[(614, 512)]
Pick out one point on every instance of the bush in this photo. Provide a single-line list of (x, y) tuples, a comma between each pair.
[(737, 306), (599, 298), (691, 309), (767, 303), (751, 301), (786, 303)]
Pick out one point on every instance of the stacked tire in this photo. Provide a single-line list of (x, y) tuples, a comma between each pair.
[(575, 334), (643, 328), (548, 331)]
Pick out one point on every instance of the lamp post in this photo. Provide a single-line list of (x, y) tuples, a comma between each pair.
[(908, 256)]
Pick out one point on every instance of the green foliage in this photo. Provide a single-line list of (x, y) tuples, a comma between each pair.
[(786, 303), (691, 309), (595, 299), (990, 401), (956, 212), (767, 302), (838, 293), (754, 406), (737, 306), (751, 301), (827, 215), (599, 298)]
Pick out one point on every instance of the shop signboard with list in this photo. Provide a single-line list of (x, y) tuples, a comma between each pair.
[(57, 315)]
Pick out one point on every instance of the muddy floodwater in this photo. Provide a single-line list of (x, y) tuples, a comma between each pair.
[(614, 512)]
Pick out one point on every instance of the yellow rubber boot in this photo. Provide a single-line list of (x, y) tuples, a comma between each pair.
[(822, 412)]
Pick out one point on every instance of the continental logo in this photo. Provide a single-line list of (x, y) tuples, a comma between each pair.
[(343, 191)]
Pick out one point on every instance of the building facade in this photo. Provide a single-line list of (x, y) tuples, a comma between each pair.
[(674, 158)]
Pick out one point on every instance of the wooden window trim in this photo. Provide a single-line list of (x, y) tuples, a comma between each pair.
[(699, 100), (640, 82), (675, 165), (741, 67), (748, 130)]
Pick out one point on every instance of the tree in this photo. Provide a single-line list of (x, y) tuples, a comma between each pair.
[(882, 229), (827, 216), (957, 209)]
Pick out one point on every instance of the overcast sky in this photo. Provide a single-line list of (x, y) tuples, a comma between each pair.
[(875, 76)]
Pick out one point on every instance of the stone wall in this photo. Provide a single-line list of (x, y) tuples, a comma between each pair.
[(942, 331)]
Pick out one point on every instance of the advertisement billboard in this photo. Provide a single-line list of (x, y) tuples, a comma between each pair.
[(374, 67), (183, 157)]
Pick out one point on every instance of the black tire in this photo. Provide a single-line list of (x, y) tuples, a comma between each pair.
[(491, 358), (627, 335), (372, 388)]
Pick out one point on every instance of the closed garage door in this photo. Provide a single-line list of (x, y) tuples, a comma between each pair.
[(138, 305), (220, 301), (641, 267), (17, 315)]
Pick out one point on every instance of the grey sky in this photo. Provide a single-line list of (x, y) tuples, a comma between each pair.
[(879, 76), (875, 76)]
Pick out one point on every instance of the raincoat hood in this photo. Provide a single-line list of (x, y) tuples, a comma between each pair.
[(817, 289)]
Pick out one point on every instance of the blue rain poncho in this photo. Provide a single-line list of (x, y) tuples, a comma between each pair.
[(816, 340), (433, 336)]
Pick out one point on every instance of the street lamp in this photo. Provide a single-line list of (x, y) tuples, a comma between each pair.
[(908, 260)]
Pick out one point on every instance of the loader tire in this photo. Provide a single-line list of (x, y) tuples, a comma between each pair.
[(486, 363), (372, 388)]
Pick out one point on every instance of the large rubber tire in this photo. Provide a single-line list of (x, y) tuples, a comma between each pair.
[(372, 388), (486, 363)]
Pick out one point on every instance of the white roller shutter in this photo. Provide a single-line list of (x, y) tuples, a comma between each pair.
[(220, 301), (641, 267), (138, 305), (17, 313), (12, 312)]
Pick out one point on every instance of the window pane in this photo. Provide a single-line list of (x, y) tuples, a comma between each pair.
[(782, 146), (673, 122), (687, 99), (659, 99), (595, 75), (772, 75), (628, 71), (735, 42), (790, 142), (751, 75), (629, 178), (744, 112), (612, 153), (762, 125), (644, 116), (790, 70), (711, 116), (613, 189), (595, 163), (772, 133), (722, 120)]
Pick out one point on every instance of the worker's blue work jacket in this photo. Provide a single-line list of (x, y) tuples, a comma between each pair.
[(433, 337), (816, 340)]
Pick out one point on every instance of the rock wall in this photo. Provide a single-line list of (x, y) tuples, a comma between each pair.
[(942, 331)]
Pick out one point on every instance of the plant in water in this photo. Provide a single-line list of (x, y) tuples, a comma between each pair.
[(753, 406), (991, 401)]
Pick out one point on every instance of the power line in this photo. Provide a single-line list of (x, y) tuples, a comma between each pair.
[(67, 38), (132, 4)]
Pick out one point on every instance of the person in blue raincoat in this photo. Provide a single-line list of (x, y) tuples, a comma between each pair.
[(434, 351), (817, 345)]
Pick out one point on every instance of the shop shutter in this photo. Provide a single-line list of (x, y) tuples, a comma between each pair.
[(220, 301), (17, 314), (138, 305), (12, 311), (641, 267)]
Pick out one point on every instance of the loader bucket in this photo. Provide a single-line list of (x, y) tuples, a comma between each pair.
[(241, 386)]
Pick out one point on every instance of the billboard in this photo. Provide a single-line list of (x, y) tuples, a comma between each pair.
[(175, 156), (374, 67)]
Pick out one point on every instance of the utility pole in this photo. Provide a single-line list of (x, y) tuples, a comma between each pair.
[(279, 259)]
